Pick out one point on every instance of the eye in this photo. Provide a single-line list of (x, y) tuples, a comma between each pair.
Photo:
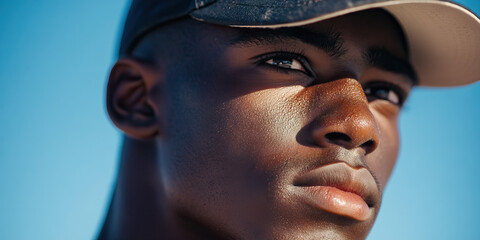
[(289, 63), (385, 91), (285, 61)]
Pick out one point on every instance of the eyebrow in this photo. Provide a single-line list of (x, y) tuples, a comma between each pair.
[(331, 42), (383, 59)]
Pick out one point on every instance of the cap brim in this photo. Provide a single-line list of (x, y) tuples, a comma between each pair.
[(443, 37)]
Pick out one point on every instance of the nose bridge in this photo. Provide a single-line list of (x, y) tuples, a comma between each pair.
[(345, 119)]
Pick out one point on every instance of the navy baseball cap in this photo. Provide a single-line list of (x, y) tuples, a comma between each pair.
[(443, 36)]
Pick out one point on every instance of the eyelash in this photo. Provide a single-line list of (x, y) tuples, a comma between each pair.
[(299, 56)]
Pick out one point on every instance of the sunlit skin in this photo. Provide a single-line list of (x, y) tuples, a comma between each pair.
[(232, 133)]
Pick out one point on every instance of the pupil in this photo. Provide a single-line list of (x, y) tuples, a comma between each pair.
[(284, 63)]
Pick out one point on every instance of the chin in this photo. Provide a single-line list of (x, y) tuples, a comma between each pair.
[(317, 234), (314, 225)]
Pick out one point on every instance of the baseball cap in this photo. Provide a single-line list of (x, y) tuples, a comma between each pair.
[(443, 36)]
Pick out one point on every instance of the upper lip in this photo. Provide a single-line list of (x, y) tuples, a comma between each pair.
[(342, 176)]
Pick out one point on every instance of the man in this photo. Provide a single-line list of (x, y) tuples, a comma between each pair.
[(271, 119)]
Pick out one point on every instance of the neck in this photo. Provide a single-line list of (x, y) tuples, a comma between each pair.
[(138, 209), (135, 210)]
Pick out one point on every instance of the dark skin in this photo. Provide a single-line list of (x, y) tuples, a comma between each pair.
[(222, 134)]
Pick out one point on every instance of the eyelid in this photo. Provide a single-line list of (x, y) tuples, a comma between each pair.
[(260, 60)]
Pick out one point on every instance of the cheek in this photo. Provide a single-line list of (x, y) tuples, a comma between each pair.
[(383, 159), (265, 123), (221, 158), (207, 171)]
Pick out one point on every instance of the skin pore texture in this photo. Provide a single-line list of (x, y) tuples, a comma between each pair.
[(257, 134)]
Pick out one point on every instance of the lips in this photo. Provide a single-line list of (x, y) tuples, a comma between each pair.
[(340, 189)]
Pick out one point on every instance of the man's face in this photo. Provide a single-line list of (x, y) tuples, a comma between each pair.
[(288, 133)]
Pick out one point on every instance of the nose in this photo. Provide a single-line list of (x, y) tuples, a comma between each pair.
[(344, 118)]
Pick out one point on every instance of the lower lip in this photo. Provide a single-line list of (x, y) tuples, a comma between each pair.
[(336, 201)]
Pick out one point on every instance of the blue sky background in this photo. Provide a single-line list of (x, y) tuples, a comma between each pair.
[(59, 152)]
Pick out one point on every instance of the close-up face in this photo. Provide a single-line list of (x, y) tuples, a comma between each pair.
[(287, 133)]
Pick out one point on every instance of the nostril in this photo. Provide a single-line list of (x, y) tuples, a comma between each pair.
[(335, 137), (346, 141), (368, 146)]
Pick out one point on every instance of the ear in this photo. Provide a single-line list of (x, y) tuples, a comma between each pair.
[(130, 98)]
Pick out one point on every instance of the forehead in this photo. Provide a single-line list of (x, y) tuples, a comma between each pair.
[(195, 34), (364, 28)]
